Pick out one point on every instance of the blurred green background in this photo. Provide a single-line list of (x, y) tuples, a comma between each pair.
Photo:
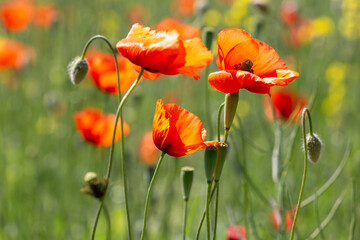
[(43, 159)]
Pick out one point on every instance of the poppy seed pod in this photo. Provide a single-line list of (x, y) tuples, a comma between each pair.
[(231, 102), (222, 151), (210, 161), (314, 145), (94, 186), (77, 70), (187, 175)]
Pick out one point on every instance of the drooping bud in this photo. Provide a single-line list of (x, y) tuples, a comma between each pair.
[(208, 36), (222, 151), (314, 145), (187, 175), (77, 70), (94, 186), (231, 102), (210, 161)]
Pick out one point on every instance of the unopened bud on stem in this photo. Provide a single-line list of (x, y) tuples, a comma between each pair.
[(77, 70), (314, 145), (187, 175)]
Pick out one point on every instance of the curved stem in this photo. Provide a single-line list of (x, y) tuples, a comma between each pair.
[(207, 209), (207, 102), (304, 173), (93, 230), (185, 217), (108, 222), (218, 120), (148, 193), (216, 207)]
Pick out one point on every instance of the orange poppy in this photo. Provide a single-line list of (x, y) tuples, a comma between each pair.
[(147, 150), (102, 71), (289, 13), (45, 15), (275, 219), (97, 128), (13, 54), (236, 233), (185, 7), (186, 31), (286, 102), (164, 51), (245, 62), (176, 131), (16, 15)]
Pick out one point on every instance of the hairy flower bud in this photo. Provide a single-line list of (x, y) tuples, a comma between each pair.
[(314, 145), (94, 186), (77, 70)]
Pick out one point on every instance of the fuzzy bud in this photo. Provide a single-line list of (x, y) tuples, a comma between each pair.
[(187, 175), (77, 70), (94, 186), (314, 145)]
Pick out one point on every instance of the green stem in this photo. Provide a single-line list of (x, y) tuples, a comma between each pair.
[(185, 217), (304, 112), (108, 222), (276, 150), (316, 210), (353, 217), (207, 209), (207, 102), (203, 217), (93, 230), (148, 193), (218, 120), (216, 207)]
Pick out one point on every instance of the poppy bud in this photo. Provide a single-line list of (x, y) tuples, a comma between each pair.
[(222, 151), (94, 186), (77, 70), (314, 145), (210, 161), (231, 102), (187, 175), (208, 36)]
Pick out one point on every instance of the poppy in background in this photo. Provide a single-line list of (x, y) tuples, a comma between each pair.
[(164, 51), (148, 152), (287, 104), (245, 62), (97, 128), (186, 31), (14, 54), (275, 219), (45, 15), (236, 232), (185, 7), (176, 131), (16, 15)]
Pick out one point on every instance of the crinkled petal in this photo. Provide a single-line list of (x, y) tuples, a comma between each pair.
[(231, 81)]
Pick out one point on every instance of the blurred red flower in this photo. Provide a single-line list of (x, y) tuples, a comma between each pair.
[(45, 15), (97, 128), (186, 31), (185, 7), (102, 71), (245, 62), (287, 103), (14, 54), (164, 52), (275, 219), (289, 13), (176, 131), (147, 150), (16, 15), (236, 233)]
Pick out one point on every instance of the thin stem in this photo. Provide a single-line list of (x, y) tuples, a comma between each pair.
[(276, 150), (207, 102), (353, 217), (316, 210), (331, 179), (203, 217), (93, 230), (218, 120), (304, 173), (185, 217), (216, 207), (148, 193), (108, 222), (207, 209)]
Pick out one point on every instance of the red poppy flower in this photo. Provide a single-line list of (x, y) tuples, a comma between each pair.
[(97, 128), (236, 233), (245, 62), (286, 102), (45, 15), (13, 54), (164, 51), (177, 131), (148, 151), (289, 13), (275, 219), (185, 7), (186, 31), (16, 15)]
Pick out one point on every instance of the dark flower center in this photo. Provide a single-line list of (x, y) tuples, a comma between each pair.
[(244, 66)]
